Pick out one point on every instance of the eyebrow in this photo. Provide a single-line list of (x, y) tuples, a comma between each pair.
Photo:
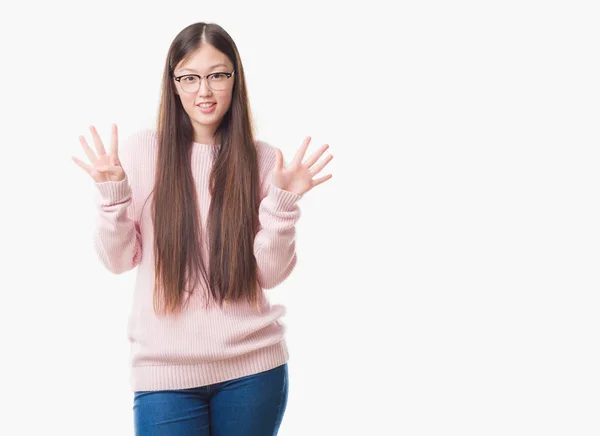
[(195, 71)]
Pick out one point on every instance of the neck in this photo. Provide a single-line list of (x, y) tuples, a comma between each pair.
[(204, 135)]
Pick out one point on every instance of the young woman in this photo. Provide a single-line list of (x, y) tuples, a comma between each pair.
[(207, 214)]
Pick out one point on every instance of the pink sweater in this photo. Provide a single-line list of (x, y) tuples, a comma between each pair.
[(200, 346)]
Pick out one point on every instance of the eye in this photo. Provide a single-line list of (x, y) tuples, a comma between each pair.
[(189, 79), (218, 76)]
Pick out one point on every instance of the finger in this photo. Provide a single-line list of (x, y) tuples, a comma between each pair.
[(112, 169), (88, 150), (320, 180), (97, 141), (278, 160), (87, 168), (319, 167), (301, 151), (114, 141), (316, 155)]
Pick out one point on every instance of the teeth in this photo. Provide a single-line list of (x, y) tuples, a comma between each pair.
[(205, 105)]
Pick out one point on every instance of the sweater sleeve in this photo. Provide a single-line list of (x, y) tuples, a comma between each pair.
[(274, 244), (117, 238)]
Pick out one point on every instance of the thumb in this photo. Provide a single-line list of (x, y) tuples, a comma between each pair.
[(278, 160), (111, 169)]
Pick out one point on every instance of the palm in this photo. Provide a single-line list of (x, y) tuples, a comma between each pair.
[(297, 177), (103, 166)]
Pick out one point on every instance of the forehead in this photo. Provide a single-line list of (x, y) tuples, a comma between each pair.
[(204, 58)]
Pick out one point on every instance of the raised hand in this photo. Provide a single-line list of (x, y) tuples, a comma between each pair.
[(103, 167), (298, 176)]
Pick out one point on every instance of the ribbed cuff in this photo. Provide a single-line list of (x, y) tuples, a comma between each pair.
[(112, 193), (282, 200)]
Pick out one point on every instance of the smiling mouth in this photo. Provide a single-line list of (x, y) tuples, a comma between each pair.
[(205, 105)]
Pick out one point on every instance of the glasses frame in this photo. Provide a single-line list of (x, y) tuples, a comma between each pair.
[(178, 79)]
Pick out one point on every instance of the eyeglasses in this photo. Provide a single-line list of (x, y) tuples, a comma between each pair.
[(216, 81)]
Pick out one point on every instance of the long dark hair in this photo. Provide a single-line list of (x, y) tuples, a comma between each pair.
[(233, 215)]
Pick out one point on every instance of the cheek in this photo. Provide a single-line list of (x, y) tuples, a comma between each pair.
[(224, 100), (188, 102)]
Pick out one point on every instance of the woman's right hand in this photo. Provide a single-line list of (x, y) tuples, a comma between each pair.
[(103, 167)]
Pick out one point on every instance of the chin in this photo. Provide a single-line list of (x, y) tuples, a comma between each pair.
[(207, 121)]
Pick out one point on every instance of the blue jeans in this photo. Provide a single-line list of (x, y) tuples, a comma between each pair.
[(248, 406)]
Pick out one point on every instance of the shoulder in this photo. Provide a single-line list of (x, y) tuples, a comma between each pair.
[(266, 163), (140, 139), (266, 155), (136, 148), (137, 143)]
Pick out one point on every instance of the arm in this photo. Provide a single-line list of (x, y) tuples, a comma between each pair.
[(274, 244), (117, 238)]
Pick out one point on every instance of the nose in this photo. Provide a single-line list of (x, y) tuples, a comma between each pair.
[(204, 89)]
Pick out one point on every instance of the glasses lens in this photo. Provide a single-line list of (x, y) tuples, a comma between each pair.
[(217, 81), (189, 83)]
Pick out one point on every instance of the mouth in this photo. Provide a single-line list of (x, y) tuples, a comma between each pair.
[(206, 108)]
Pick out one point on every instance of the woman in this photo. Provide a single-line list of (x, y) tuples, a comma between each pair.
[(207, 214)]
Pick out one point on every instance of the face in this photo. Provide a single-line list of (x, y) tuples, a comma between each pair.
[(205, 107)]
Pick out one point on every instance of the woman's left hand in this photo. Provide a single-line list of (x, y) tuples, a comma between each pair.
[(297, 177)]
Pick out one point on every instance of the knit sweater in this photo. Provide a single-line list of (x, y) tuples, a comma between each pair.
[(201, 345)]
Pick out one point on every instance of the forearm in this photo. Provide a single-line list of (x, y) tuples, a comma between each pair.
[(275, 243), (117, 237)]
